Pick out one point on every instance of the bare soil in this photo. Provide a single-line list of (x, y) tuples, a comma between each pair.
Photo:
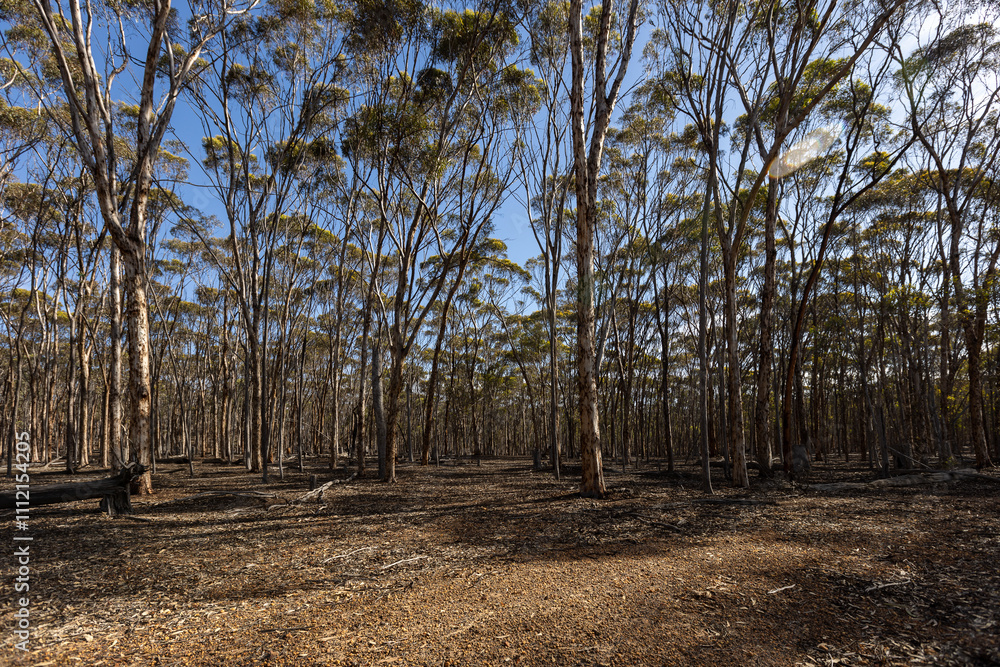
[(496, 564)]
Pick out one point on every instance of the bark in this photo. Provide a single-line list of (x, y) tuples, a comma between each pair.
[(552, 261), (362, 390), (106, 422), (763, 434), (392, 418), (587, 166), (706, 469), (736, 431), (668, 431), (335, 355), (431, 395), (72, 414), (974, 327), (377, 411), (84, 441), (137, 318)]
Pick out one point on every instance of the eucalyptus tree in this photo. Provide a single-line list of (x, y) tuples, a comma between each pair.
[(268, 95), (547, 166), (35, 209), (29, 217), (102, 53), (627, 202), (688, 61), (523, 334), (797, 59), (892, 248), (77, 268), (603, 93), (868, 152), (336, 264), (438, 134), (703, 61), (470, 255), (176, 319), (950, 86), (334, 201), (16, 260), (668, 178)]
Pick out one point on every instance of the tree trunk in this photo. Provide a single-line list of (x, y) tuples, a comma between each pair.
[(431, 394), (763, 434), (378, 412), (84, 442), (72, 414), (392, 418), (551, 287), (706, 469), (592, 483), (736, 430), (137, 317), (974, 345)]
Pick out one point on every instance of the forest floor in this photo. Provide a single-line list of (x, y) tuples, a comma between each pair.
[(496, 564)]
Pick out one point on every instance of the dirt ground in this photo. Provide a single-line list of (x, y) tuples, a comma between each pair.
[(496, 564)]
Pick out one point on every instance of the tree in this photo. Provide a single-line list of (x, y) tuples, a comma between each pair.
[(89, 92), (270, 93), (587, 167), (951, 89), (437, 137), (548, 167), (791, 71)]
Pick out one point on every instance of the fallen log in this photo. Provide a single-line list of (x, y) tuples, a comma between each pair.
[(317, 492), (113, 491), (734, 501), (935, 477), (208, 494)]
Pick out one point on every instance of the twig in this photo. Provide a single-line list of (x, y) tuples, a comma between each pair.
[(302, 627), (878, 587), (733, 501), (400, 562), (658, 524), (349, 553), (783, 588), (934, 477), (207, 494), (318, 491)]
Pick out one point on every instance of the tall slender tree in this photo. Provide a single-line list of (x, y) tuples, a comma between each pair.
[(604, 93)]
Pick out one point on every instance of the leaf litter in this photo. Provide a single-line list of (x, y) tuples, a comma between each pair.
[(497, 564)]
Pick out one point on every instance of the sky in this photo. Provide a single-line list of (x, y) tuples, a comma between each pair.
[(512, 225)]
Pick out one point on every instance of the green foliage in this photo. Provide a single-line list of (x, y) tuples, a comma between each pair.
[(221, 154), (482, 38), (518, 95), (549, 30), (19, 123), (376, 26), (400, 129), (249, 84)]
